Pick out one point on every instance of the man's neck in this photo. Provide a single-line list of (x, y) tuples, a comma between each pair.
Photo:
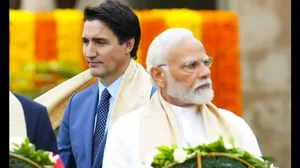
[(107, 81), (110, 78)]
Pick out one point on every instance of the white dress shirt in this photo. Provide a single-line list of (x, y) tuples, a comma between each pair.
[(190, 123)]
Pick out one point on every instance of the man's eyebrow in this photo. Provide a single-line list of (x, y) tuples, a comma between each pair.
[(191, 60), (95, 38), (99, 38)]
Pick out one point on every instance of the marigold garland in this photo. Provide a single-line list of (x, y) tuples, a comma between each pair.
[(151, 26), (69, 45), (210, 40), (45, 36), (185, 18), (220, 37), (56, 36), (22, 49)]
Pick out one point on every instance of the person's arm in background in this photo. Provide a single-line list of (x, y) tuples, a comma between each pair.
[(46, 138), (64, 142), (38, 124)]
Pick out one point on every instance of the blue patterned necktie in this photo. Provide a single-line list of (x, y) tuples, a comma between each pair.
[(102, 112)]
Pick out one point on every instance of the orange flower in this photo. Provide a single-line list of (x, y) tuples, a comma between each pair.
[(55, 36)]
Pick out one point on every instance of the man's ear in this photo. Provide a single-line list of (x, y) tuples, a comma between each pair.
[(158, 76), (129, 44)]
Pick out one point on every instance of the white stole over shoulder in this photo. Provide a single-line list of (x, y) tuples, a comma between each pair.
[(57, 98), (158, 125), (17, 123), (134, 91)]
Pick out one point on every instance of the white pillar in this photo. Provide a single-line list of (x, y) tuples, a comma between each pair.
[(37, 5), (81, 4)]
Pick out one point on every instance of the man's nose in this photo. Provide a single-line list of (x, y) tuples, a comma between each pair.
[(204, 71), (90, 51)]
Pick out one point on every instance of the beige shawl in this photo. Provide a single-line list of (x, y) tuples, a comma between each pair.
[(159, 126), (17, 123), (134, 91)]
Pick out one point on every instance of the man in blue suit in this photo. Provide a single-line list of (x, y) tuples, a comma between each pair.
[(110, 36), (38, 125)]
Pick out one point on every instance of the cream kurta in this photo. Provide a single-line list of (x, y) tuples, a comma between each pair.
[(123, 143), (17, 124)]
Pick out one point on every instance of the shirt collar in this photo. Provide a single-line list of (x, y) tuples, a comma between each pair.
[(112, 89)]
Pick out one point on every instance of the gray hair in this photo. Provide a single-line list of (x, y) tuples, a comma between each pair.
[(163, 44)]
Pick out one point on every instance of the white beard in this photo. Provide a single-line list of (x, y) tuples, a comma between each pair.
[(185, 95)]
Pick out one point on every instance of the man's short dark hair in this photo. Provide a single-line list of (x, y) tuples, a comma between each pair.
[(120, 18)]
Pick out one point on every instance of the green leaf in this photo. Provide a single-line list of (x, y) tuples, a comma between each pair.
[(204, 153), (29, 151), (174, 146), (231, 141), (164, 148), (269, 158), (26, 142), (167, 162), (160, 156)]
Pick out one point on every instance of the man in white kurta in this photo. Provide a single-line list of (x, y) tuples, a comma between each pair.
[(180, 111)]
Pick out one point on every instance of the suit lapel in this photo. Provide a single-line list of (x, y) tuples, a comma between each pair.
[(90, 110)]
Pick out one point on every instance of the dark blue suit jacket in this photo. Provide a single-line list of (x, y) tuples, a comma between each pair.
[(38, 124), (76, 130)]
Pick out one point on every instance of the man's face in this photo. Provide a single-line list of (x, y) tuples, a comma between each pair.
[(188, 78), (102, 51)]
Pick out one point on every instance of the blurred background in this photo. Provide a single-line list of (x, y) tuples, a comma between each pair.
[(250, 41)]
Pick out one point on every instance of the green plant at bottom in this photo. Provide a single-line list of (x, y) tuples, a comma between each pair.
[(28, 151), (217, 154)]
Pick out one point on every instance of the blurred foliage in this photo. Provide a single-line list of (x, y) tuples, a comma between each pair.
[(36, 79)]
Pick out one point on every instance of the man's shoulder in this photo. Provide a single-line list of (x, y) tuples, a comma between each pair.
[(234, 119), (32, 110), (229, 115), (86, 91), (245, 131), (27, 102), (131, 119)]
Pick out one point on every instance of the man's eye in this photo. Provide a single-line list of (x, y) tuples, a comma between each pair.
[(207, 62), (85, 42), (192, 65), (100, 42)]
